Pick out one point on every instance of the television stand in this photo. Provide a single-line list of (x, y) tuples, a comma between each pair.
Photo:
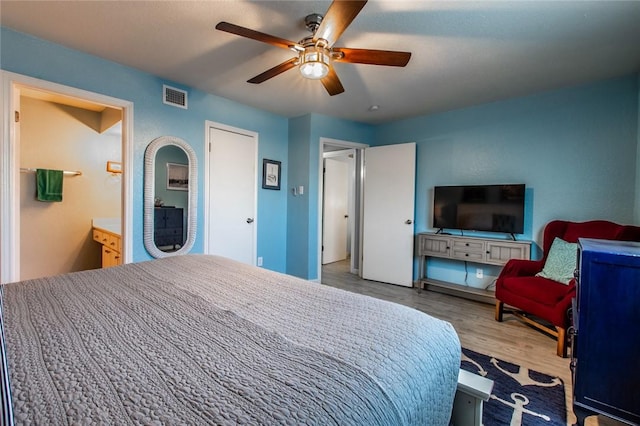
[(487, 251)]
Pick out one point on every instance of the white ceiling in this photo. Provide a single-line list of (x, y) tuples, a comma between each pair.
[(463, 53)]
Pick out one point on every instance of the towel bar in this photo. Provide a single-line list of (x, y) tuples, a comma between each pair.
[(66, 172)]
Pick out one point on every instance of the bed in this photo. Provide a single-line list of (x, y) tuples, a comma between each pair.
[(199, 339)]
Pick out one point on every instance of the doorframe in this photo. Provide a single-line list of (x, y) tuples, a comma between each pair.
[(207, 170), (357, 146), (9, 174)]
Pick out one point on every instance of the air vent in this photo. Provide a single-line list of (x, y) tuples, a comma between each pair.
[(173, 96)]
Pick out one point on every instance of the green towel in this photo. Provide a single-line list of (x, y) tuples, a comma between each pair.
[(49, 184)]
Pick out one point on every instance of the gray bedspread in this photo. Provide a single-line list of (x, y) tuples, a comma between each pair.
[(201, 339)]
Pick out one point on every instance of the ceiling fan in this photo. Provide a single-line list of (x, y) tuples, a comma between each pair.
[(316, 53)]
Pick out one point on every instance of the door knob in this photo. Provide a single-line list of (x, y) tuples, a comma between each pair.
[(249, 220), (408, 221)]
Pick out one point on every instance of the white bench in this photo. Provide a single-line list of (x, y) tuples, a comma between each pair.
[(472, 391)]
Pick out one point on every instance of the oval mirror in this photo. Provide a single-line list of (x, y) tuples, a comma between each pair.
[(170, 197)]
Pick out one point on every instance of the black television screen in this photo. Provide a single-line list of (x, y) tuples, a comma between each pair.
[(493, 208)]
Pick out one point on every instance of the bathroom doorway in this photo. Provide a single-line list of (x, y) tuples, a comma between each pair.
[(57, 127)]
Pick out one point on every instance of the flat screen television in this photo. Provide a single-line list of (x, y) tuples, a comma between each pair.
[(492, 208)]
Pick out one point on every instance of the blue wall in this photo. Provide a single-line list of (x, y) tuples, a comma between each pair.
[(37, 58), (305, 133), (298, 207), (575, 149)]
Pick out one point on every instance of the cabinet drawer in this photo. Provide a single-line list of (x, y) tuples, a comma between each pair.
[(113, 242), (468, 246), (469, 256), (107, 239), (101, 237), (468, 250)]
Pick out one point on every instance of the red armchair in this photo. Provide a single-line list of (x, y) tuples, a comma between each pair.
[(536, 298)]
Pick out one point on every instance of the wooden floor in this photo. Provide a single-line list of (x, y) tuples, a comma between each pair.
[(510, 340)]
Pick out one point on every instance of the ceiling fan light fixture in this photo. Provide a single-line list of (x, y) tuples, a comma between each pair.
[(315, 54), (314, 63)]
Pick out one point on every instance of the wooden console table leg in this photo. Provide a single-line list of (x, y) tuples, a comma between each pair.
[(499, 310)]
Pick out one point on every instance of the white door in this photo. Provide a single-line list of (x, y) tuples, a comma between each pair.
[(389, 191), (335, 210), (232, 194)]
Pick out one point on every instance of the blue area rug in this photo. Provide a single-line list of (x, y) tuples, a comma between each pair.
[(520, 396)]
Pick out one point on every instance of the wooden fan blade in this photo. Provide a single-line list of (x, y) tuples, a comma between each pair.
[(340, 14), (332, 83), (278, 69), (256, 35), (373, 57)]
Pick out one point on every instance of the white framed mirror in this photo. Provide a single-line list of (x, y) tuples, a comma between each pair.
[(170, 197)]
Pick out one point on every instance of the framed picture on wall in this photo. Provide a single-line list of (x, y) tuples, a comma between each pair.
[(271, 174), (177, 177)]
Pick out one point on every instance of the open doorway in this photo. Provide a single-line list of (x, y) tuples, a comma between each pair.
[(338, 205), (78, 138), (383, 230), (339, 208), (54, 127)]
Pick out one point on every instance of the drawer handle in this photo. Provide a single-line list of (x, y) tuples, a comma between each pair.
[(466, 254), (113, 243)]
